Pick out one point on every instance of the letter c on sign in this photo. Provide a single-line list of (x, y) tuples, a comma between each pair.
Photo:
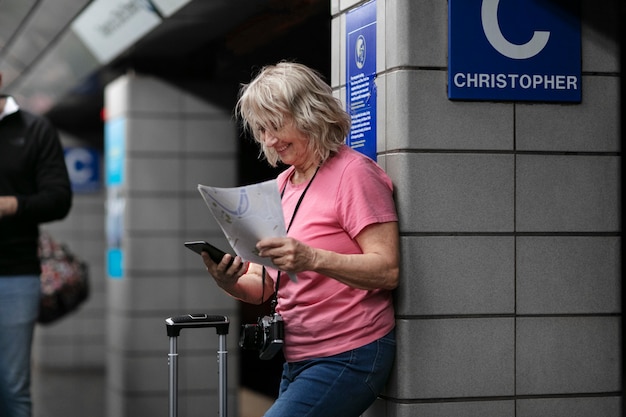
[(491, 27), (79, 165)]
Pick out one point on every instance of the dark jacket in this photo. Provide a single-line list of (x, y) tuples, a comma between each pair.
[(32, 168)]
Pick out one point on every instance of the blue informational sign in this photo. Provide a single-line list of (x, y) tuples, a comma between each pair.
[(83, 167), (360, 77), (528, 50), (115, 208), (115, 159), (114, 263), (115, 150)]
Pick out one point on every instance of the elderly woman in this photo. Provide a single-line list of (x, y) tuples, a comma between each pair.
[(342, 243)]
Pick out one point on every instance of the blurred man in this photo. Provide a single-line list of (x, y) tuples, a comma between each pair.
[(34, 188)]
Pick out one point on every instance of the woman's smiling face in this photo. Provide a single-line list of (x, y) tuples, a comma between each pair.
[(291, 145)]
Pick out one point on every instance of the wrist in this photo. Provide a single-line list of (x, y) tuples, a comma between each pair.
[(8, 206)]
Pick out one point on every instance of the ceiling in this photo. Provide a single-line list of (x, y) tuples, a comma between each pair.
[(205, 43), (50, 71)]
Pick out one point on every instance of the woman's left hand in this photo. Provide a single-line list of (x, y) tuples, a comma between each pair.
[(288, 254), (376, 267)]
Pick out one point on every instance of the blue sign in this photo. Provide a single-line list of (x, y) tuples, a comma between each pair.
[(360, 77), (528, 50), (115, 258), (83, 167), (115, 207), (115, 159), (115, 150)]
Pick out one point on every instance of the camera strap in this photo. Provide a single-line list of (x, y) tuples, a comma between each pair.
[(295, 210)]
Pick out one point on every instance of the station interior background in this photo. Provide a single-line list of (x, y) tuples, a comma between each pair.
[(204, 47), (219, 41)]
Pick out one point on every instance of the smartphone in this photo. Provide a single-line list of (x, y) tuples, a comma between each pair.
[(200, 245)]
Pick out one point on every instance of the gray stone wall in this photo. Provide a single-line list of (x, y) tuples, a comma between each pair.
[(509, 301)]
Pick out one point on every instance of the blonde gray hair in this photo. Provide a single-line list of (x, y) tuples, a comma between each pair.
[(293, 93)]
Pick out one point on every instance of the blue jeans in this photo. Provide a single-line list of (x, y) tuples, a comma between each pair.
[(19, 307), (343, 385)]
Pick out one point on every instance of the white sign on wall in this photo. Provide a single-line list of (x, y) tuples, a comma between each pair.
[(108, 27)]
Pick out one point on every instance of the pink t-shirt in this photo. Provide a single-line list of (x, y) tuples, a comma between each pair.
[(322, 316)]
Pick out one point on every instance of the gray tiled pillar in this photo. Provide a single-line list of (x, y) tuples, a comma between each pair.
[(509, 299), (172, 142)]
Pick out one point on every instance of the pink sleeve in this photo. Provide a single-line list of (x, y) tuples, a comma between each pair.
[(365, 196)]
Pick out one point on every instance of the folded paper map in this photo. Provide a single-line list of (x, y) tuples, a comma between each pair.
[(246, 215)]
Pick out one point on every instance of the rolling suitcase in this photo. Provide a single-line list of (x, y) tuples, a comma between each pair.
[(174, 326)]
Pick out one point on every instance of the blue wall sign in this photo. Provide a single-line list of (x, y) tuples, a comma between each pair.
[(528, 50), (115, 150), (360, 77), (114, 262), (83, 167), (115, 208), (115, 160)]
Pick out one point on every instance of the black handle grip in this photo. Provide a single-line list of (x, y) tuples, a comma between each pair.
[(176, 324)]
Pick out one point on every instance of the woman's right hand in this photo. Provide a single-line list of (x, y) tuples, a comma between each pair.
[(242, 280), (225, 274)]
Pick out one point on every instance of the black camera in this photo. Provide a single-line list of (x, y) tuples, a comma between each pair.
[(266, 336)]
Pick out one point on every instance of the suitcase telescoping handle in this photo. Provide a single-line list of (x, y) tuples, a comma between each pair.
[(174, 326)]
